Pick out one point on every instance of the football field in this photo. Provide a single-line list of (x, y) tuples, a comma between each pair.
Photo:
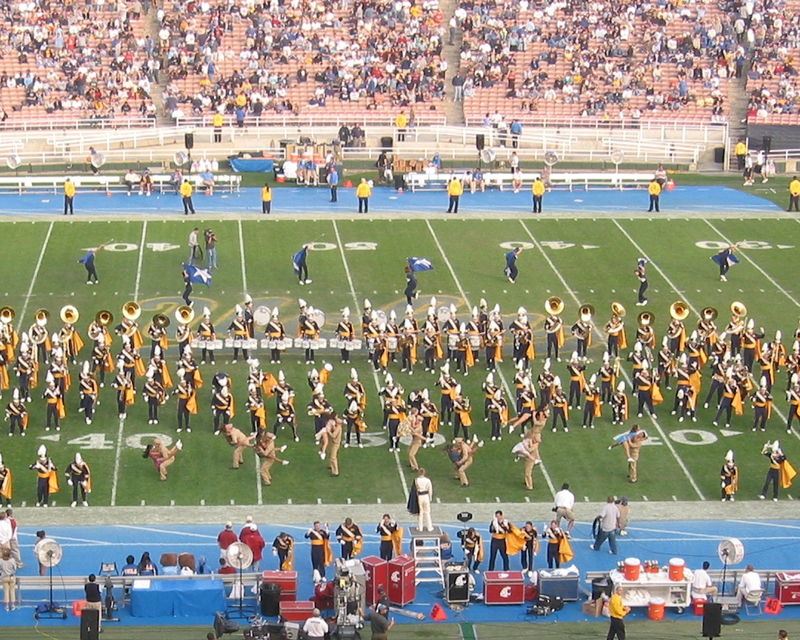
[(582, 261)]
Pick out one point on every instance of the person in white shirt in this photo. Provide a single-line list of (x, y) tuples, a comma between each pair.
[(194, 246), (750, 582), (424, 489), (315, 627), (702, 583), (564, 501), (6, 531)]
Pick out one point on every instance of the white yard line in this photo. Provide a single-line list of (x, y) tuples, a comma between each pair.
[(139, 264), (664, 437), (177, 533), (506, 386), (241, 254), (757, 267), (403, 480), (117, 456), (779, 288), (35, 275)]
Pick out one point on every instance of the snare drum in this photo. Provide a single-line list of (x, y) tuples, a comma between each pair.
[(306, 344), (452, 341), (251, 343), (195, 344), (270, 344), (475, 342), (237, 343), (215, 345), (391, 343), (371, 343), (229, 343), (348, 345), (298, 343), (284, 344), (356, 344)]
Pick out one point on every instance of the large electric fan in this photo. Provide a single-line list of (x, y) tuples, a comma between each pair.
[(240, 557), (730, 551), (49, 555)]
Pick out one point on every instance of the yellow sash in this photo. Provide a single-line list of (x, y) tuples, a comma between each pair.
[(52, 482), (7, 488)]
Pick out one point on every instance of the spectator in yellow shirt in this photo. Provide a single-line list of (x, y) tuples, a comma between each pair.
[(401, 122), (69, 196), (655, 195), (794, 194), (363, 192), (740, 150), (617, 611), (218, 122), (186, 192), (454, 190)]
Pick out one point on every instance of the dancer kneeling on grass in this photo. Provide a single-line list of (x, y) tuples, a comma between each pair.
[(162, 456)]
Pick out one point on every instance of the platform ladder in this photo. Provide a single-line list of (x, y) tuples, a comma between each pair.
[(427, 554)]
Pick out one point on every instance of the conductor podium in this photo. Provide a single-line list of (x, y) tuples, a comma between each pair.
[(427, 554)]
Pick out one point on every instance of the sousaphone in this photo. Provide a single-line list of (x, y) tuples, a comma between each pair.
[(184, 314), (131, 311), (618, 310), (679, 310), (586, 312), (69, 314), (7, 315), (738, 309), (161, 320), (646, 318), (554, 306)]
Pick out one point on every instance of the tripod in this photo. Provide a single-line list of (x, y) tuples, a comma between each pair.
[(239, 610), (51, 608)]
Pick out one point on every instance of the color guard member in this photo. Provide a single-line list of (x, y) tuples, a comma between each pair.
[(386, 529)]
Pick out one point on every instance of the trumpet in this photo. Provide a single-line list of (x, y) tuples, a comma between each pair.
[(617, 309), (738, 309), (160, 320), (554, 306), (646, 318), (131, 311), (7, 315), (41, 317), (586, 312), (104, 318), (184, 314), (679, 310), (69, 314)]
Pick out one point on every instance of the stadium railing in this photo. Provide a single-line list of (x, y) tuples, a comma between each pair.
[(39, 123), (230, 183), (557, 181)]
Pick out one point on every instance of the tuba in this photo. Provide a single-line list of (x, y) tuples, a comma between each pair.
[(41, 317), (184, 314), (646, 318), (131, 311), (679, 310), (554, 306), (104, 318), (69, 314), (738, 309), (586, 312), (161, 321), (7, 315), (617, 309)]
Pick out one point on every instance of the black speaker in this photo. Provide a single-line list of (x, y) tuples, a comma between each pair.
[(90, 624), (456, 585), (188, 140), (712, 620), (766, 144), (480, 141), (270, 599)]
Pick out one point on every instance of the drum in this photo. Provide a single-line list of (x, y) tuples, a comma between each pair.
[(270, 344), (349, 345), (306, 344), (443, 314), (237, 343), (284, 344), (391, 343), (371, 343), (475, 342), (452, 341), (261, 316), (313, 344), (195, 344), (356, 344), (298, 343), (215, 345)]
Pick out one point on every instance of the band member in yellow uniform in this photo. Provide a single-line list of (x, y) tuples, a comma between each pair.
[(88, 392), (762, 405)]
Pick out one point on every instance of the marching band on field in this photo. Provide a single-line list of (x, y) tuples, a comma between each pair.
[(738, 363)]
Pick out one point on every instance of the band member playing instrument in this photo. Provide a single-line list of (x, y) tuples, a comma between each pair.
[(345, 332), (521, 330), (206, 334), (275, 333), (576, 367), (462, 409), (239, 330), (762, 405), (560, 405)]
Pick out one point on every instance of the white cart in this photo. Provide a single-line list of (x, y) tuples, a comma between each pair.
[(638, 593)]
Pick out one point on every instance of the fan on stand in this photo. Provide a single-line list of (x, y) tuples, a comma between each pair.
[(240, 557), (486, 156), (49, 555), (730, 551)]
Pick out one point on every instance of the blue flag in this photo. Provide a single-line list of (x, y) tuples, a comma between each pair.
[(198, 274), (298, 258), (420, 264)]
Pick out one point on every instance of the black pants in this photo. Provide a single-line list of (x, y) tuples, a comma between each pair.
[(303, 268), (392, 425), (552, 345), (333, 193), (553, 561), (498, 546), (411, 287), (723, 268), (152, 408), (186, 293), (794, 201), (727, 406), (207, 353), (266, 207), (537, 204), (471, 560), (642, 288), (527, 557), (716, 387), (43, 491), (352, 426), (496, 425), (318, 559), (183, 414), (363, 205), (512, 271), (77, 487), (386, 550), (15, 423), (347, 550), (221, 417), (91, 273), (760, 420), (558, 412), (459, 426), (87, 404), (654, 205), (446, 409), (68, 205), (52, 414), (617, 628), (580, 347), (646, 400), (217, 134), (188, 205), (453, 206), (773, 476)]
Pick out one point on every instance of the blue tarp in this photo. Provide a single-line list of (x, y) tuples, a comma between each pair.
[(260, 165)]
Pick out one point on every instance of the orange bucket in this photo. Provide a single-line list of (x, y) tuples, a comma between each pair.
[(656, 609), (676, 567), (295, 157), (632, 568)]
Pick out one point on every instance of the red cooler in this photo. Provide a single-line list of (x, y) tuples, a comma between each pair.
[(297, 611), (287, 580), (402, 588), (377, 571), (787, 587), (503, 587)]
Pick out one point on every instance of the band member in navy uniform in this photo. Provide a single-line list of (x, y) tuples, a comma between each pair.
[(239, 331), (523, 338), (16, 414), (88, 391), (750, 342), (317, 535), (735, 329), (499, 529), (275, 331), (386, 528), (205, 332), (554, 328), (345, 332), (576, 367), (641, 274), (511, 270), (762, 405)]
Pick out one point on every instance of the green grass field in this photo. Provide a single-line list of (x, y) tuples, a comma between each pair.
[(579, 261)]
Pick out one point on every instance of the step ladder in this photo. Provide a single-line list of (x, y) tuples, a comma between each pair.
[(427, 553)]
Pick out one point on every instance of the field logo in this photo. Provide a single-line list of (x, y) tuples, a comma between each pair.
[(141, 440)]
